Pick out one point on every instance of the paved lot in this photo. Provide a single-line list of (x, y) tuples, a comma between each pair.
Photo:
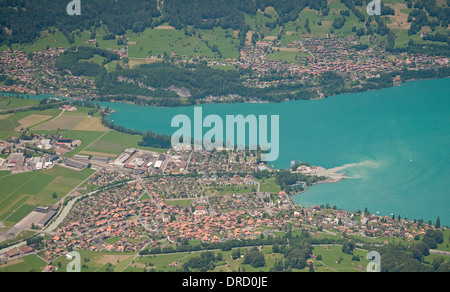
[(23, 224)]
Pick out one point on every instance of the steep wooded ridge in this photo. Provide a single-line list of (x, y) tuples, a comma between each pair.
[(23, 20), (236, 50)]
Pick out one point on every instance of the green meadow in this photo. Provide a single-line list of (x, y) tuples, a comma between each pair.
[(334, 260), (8, 102), (30, 118), (331, 259), (8, 125), (206, 43), (269, 185), (21, 193), (112, 144), (46, 40), (29, 263)]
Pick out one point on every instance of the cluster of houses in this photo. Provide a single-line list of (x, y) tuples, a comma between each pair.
[(222, 162), (343, 55), (226, 180), (364, 224), (36, 73), (316, 56), (157, 210), (106, 176), (124, 220), (105, 221), (218, 227), (175, 187), (244, 201), (16, 252)]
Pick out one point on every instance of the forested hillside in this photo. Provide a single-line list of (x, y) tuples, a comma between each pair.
[(209, 14), (23, 20)]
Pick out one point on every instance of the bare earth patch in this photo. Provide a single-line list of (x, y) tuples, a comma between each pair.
[(93, 153), (135, 62), (91, 124), (165, 27), (5, 116), (112, 259), (400, 19), (270, 38), (286, 49)]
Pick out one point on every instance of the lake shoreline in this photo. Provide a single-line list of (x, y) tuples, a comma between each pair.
[(235, 100), (403, 129)]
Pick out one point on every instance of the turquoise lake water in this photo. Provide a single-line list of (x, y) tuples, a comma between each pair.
[(403, 131)]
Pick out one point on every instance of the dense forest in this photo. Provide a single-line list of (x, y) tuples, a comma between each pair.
[(424, 8), (202, 81), (23, 20), (72, 60)]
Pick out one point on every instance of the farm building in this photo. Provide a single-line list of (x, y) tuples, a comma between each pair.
[(75, 164)]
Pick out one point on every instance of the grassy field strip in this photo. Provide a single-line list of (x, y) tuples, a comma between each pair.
[(91, 124), (18, 215), (94, 141), (4, 199), (65, 211), (32, 121), (60, 114), (28, 263), (23, 192), (12, 208)]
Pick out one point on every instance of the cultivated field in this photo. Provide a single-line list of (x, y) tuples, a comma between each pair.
[(113, 143), (8, 125), (5, 116), (21, 193), (7, 102), (136, 62), (60, 123), (90, 124), (32, 120)]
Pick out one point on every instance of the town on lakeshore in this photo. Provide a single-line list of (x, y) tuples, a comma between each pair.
[(150, 203), (37, 72)]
